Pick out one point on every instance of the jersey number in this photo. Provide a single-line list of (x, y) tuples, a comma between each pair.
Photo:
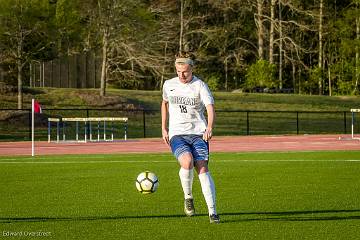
[(183, 108)]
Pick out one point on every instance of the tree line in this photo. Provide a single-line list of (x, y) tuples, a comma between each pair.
[(307, 46)]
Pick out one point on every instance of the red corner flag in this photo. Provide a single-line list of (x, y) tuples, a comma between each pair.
[(37, 107)]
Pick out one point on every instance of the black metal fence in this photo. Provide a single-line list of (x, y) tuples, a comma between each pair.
[(15, 125)]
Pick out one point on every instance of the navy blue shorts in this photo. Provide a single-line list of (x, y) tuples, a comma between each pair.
[(193, 144)]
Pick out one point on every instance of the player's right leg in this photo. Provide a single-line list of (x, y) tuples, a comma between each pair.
[(186, 175), (182, 152)]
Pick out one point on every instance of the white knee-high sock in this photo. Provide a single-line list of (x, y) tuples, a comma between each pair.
[(186, 178), (208, 189)]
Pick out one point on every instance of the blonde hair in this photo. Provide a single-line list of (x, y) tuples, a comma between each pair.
[(182, 54), (184, 58)]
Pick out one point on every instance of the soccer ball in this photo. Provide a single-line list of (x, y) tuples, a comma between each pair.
[(147, 182)]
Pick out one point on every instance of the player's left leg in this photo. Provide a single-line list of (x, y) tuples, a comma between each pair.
[(201, 156), (208, 189)]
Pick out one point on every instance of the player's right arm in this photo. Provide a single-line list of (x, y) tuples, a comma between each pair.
[(164, 119)]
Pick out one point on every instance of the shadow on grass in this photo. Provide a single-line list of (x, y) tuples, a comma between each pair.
[(295, 216), (89, 218), (316, 215)]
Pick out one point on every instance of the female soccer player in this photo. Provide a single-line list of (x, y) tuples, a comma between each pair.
[(185, 98)]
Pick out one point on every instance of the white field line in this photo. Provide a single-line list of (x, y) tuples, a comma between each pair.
[(291, 160), (23, 158), (4, 161), (81, 162)]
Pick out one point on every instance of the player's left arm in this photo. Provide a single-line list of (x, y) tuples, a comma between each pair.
[(210, 109)]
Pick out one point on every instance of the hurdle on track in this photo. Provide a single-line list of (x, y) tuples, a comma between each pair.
[(87, 122), (353, 121)]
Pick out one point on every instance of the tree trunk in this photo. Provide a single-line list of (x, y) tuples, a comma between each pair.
[(321, 46), (260, 4), (272, 32), (226, 73), (181, 25), (293, 73), (104, 63), (224, 52), (299, 82), (329, 77), (163, 67), (280, 49), (357, 70), (20, 84), (19, 68), (31, 75)]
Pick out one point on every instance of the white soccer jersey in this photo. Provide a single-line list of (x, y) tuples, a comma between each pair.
[(187, 102)]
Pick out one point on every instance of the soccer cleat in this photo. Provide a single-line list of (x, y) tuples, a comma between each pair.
[(189, 207), (214, 218)]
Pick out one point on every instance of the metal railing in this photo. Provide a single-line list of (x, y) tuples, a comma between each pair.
[(15, 124)]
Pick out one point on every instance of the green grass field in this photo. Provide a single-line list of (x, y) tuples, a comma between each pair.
[(293, 195)]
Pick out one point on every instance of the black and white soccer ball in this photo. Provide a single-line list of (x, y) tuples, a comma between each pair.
[(147, 182)]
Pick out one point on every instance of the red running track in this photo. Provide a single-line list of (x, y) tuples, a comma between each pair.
[(217, 144)]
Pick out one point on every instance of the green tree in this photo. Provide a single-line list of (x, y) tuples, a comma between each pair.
[(261, 74), (24, 34), (70, 26), (346, 68), (124, 31)]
